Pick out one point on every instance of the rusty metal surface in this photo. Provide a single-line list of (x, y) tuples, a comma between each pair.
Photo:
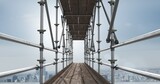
[(77, 73), (78, 14)]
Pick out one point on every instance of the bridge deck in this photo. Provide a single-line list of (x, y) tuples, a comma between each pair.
[(77, 73)]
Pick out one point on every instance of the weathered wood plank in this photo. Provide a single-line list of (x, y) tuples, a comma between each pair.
[(78, 73)]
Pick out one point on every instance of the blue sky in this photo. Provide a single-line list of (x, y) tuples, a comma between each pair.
[(20, 18)]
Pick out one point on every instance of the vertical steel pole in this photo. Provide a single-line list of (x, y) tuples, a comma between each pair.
[(63, 48), (98, 25), (92, 60), (56, 59), (89, 45), (92, 43), (111, 2), (66, 45), (41, 31), (63, 25), (85, 59), (72, 51)]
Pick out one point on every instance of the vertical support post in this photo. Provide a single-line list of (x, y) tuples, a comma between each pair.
[(92, 60), (112, 36), (72, 50), (63, 47), (66, 58), (63, 57), (41, 31), (89, 46), (84, 52), (86, 48), (63, 37), (56, 25), (92, 42), (66, 46), (112, 49), (98, 25)]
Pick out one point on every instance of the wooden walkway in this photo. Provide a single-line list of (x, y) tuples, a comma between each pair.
[(77, 73)]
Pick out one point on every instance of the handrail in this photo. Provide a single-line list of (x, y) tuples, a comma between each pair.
[(15, 71), (139, 72), (24, 42), (146, 36), (11, 72)]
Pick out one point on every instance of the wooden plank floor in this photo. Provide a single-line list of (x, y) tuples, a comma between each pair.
[(77, 73)]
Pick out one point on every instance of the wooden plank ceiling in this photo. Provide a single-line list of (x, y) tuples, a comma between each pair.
[(78, 14)]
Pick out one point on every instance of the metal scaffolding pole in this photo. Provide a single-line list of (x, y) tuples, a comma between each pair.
[(66, 50), (89, 45), (112, 37), (85, 59), (98, 25), (112, 49), (41, 31), (85, 50), (92, 60), (92, 32), (63, 46), (56, 25), (72, 51)]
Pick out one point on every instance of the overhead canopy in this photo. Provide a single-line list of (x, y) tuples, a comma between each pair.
[(78, 14)]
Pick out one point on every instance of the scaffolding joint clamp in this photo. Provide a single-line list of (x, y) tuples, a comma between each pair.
[(112, 61), (98, 41), (56, 6), (98, 6), (99, 59), (98, 24), (42, 3), (111, 2), (54, 63), (41, 61), (41, 31), (116, 68), (56, 59), (37, 67), (56, 24)]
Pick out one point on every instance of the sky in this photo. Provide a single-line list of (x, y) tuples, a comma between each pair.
[(20, 18)]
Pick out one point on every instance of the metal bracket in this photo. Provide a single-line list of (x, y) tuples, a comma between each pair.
[(41, 61), (99, 59), (56, 24), (116, 68), (41, 31), (37, 67), (56, 6), (42, 3), (111, 2), (56, 59), (112, 61)]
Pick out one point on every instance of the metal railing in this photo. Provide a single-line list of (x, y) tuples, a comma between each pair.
[(143, 37), (24, 42), (20, 70), (136, 71)]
